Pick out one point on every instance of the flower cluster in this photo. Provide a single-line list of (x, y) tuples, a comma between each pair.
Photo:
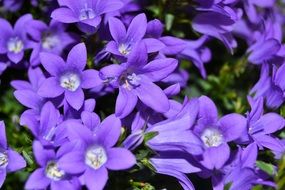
[(138, 70)]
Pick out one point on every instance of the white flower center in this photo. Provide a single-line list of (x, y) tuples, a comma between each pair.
[(86, 13), (50, 41), (3, 160), (124, 49), (15, 45), (70, 81), (53, 172), (129, 81), (212, 137), (95, 157)]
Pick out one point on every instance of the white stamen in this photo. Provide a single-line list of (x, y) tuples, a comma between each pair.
[(95, 157), (70, 81), (3, 160), (50, 41), (53, 172), (212, 137), (124, 49), (15, 45)]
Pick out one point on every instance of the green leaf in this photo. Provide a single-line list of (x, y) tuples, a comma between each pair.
[(266, 167)]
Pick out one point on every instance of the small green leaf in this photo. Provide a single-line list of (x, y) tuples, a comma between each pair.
[(268, 168), (149, 136), (169, 18)]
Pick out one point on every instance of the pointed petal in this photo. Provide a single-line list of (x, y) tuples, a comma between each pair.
[(160, 68), (37, 180), (90, 79), (54, 64), (117, 29), (96, 179), (64, 15), (3, 140), (232, 126), (110, 127), (75, 99), (50, 88), (120, 159), (77, 56), (137, 28), (17, 161), (125, 103), (152, 96)]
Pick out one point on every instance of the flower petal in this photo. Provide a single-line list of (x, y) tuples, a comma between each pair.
[(54, 64), (125, 103), (75, 99), (120, 159), (96, 179), (64, 15), (50, 88), (77, 56)]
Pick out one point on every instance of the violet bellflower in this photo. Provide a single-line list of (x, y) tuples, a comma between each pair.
[(125, 40), (47, 127), (215, 133), (68, 78), (10, 160), (13, 42), (175, 134), (51, 39), (260, 127), (135, 80), (87, 13), (49, 174), (96, 153), (270, 86), (218, 21)]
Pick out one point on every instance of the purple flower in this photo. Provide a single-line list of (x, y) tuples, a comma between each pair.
[(49, 174), (215, 133), (68, 78), (87, 13), (125, 40), (260, 127), (175, 134), (51, 39), (10, 160), (46, 128), (135, 80), (218, 21), (96, 153), (13, 42), (13, 5), (175, 166)]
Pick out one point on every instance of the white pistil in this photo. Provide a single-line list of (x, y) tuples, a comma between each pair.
[(53, 172), (212, 137), (70, 81), (95, 157)]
